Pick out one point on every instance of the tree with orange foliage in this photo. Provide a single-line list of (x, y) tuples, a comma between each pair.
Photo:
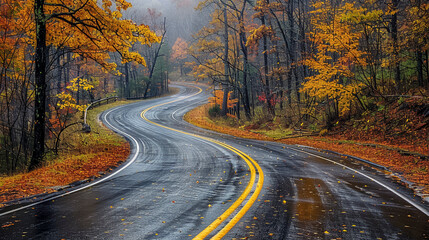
[(15, 85), (76, 23), (217, 99), (180, 53)]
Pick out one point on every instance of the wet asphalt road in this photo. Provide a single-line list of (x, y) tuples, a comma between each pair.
[(174, 185)]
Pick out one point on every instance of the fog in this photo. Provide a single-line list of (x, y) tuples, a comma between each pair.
[(182, 20)]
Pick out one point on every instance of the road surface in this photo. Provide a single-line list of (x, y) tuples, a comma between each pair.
[(183, 182)]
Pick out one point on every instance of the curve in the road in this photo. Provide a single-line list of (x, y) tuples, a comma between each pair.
[(307, 193), (133, 158), (249, 161), (224, 216)]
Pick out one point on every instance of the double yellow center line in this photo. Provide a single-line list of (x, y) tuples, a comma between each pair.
[(254, 168)]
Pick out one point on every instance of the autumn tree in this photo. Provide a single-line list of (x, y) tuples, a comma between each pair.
[(263, 33), (152, 53), (179, 53), (337, 55), (217, 100), (99, 28), (15, 84), (321, 60), (221, 50), (416, 27), (212, 51), (66, 106)]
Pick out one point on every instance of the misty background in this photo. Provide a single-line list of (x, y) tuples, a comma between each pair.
[(182, 20)]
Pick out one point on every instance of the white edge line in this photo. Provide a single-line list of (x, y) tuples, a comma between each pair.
[(91, 184), (372, 179)]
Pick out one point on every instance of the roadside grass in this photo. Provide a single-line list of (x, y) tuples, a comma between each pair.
[(278, 133), (412, 168), (86, 157)]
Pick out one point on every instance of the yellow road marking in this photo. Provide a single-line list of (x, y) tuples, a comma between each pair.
[(249, 161)]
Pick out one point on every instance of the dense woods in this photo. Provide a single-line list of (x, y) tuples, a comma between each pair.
[(56, 57), (298, 63), (313, 63)]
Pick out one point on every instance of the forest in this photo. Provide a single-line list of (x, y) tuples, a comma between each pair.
[(302, 64), (57, 57), (354, 70), (335, 58)]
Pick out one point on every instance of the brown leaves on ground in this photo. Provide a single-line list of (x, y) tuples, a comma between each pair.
[(96, 159), (412, 168), (403, 124), (199, 117)]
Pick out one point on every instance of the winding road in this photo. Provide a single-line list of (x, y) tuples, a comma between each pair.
[(184, 182)]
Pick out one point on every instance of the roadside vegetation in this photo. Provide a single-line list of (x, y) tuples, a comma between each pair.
[(403, 150), (333, 73), (82, 51), (86, 157), (348, 76)]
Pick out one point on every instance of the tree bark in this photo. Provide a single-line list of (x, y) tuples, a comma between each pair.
[(59, 71), (427, 68), (267, 79), (396, 47), (226, 66), (41, 59), (292, 50), (127, 81), (147, 89), (242, 34), (155, 57), (67, 72), (280, 82), (420, 68)]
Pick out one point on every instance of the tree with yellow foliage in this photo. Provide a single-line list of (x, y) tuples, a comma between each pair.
[(338, 54), (221, 50), (92, 31)]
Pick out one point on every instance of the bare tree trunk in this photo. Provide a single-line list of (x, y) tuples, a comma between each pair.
[(226, 66), (155, 57), (41, 59), (289, 87), (246, 102), (146, 89), (165, 79), (280, 83), (127, 81), (420, 68), (59, 72), (292, 50), (267, 79), (78, 87), (67, 73), (394, 23), (427, 68)]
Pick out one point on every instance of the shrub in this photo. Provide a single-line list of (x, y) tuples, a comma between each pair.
[(215, 111)]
